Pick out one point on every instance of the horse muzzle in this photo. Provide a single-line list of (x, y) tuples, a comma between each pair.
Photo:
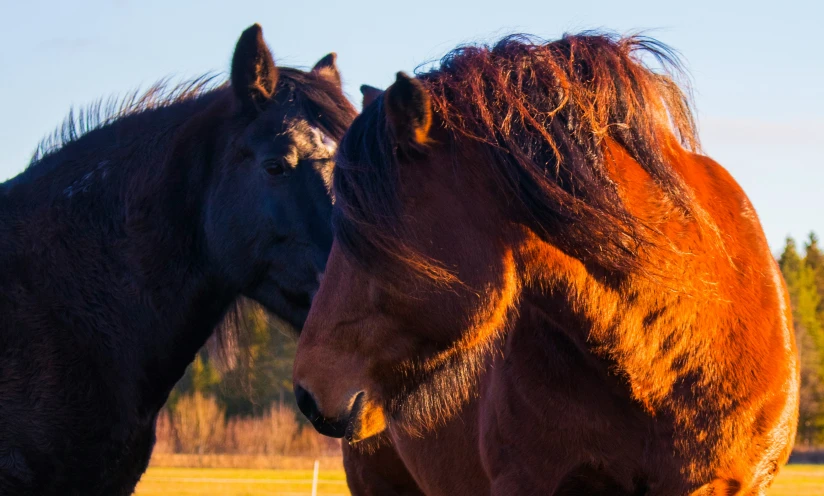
[(362, 419)]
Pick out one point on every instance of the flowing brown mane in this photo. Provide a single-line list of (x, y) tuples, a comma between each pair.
[(541, 114)]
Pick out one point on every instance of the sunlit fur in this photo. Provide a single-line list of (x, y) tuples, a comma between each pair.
[(555, 288)]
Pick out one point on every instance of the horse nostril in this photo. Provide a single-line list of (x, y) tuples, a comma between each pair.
[(306, 404), (333, 427)]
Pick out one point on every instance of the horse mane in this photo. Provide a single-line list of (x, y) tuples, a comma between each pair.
[(540, 114), (106, 111), (311, 94)]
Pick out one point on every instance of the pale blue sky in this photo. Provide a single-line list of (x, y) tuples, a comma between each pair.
[(757, 67)]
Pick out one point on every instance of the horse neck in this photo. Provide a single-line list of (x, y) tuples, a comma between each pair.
[(557, 287), (628, 320), (164, 221), (124, 225)]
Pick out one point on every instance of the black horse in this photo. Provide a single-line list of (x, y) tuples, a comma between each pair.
[(125, 245)]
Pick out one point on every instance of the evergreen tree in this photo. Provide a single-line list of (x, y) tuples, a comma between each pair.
[(809, 334), (252, 377), (804, 293), (790, 261), (262, 374), (201, 376), (814, 258)]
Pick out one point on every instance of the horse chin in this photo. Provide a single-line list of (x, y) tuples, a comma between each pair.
[(289, 306)]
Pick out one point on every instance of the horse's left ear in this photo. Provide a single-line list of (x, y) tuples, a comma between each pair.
[(254, 75), (408, 110), (370, 94), (327, 68)]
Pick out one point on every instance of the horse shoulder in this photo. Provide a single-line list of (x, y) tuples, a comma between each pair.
[(753, 351), (722, 330), (743, 261)]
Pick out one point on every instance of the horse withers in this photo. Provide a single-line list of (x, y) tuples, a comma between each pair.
[(546, 282), (128, 240)]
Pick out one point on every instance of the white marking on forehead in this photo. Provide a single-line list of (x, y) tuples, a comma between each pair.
[(321, 146), (310, 141), (325, 141)]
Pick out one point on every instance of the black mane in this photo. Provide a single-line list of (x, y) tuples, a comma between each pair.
[(107, 111), (312, 94)]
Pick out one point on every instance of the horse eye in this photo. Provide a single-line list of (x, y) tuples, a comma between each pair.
[(276, 167)]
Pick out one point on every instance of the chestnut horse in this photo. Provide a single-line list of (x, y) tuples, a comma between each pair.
[(126, 243), (548, 290)]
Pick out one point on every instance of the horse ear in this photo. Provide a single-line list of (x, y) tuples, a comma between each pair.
[(409, 110), (327, 68), (254, 75), (370, 94)]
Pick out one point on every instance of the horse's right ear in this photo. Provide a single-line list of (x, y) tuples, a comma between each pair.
[(254, 75), (408, 110), (370, 94)]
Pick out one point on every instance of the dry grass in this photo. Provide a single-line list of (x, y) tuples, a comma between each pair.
[(255, 462), (272, 434), (794, 480), (198, 426)]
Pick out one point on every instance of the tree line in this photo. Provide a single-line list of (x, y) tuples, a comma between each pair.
[(803, 270)]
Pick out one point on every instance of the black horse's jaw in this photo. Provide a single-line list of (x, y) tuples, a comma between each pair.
[(300, 300), (287, 305)]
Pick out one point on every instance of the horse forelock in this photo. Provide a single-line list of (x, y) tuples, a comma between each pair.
[(320, 101), (540, 114)]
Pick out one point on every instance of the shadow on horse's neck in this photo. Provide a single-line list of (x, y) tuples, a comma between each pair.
[(115, 218)]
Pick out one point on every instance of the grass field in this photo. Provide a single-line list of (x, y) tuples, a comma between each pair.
[(794, 480), (799, 480), (238, 482)]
